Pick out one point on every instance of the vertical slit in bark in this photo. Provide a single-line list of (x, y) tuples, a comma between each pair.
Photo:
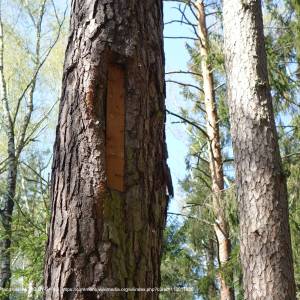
[(115, 127)]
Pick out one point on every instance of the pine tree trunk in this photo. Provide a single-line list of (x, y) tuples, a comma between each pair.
[(216, 161), (109, 171), (262, 195)]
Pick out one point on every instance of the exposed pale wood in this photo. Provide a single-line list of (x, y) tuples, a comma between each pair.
[(115, 127)]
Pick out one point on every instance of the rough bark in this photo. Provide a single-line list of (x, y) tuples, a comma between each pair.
[(216, 161), (266, 253), (100, 237)]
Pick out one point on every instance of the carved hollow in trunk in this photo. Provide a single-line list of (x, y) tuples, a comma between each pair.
[(115, 127)]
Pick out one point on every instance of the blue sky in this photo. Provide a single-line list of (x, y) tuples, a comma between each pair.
[(177, 138)]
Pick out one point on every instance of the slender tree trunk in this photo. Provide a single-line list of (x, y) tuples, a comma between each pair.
[(216, 161), (212, 289), (14, 151), (37, 66), (31, 291), (266, 253), (6, 222), (8, 199), (109, 171)]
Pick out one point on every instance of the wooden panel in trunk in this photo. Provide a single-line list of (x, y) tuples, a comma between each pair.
[(115, 126)]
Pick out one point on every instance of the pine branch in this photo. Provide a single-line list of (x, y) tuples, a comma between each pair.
[(188, 122)]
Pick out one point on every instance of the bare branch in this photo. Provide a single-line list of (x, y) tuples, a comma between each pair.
[(291, 154), (183, 72), (188, 21), (181, 37), (188, 122), (46, 55), (35, 172), (191, 217), (180, 215), (219, 86), (3, 89), (27, 116), (181, 22), (38, 124), (185, 84), (28, 219)]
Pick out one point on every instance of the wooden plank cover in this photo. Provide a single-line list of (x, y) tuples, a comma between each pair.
[(115, 128)]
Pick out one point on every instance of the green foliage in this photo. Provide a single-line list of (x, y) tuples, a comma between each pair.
[(31, 204), (189, 254), (282, 45), (178, 266), (30, 222)]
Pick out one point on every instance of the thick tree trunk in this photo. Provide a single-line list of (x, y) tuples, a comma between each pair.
[(264, 229), (216, 162), (109, 171)]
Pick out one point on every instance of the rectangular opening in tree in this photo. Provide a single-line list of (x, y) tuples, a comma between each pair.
[(115, 127)]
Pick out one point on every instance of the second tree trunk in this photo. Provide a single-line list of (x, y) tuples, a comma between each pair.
[(265, 244)]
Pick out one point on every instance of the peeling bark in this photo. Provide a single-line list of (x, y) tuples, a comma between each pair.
[(100, 237), (266, 253), (216, 161)]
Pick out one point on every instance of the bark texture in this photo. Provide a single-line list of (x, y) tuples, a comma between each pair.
[(100, 237), (216, 161), (264, 229)]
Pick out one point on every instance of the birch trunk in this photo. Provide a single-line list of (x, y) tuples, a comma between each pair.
[(8, 199), (14, 150)]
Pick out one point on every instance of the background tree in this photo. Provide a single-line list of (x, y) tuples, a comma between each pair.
[(215, 153), (280, 24), (190, 257), (206, 187), (23, 114), (264, 230)]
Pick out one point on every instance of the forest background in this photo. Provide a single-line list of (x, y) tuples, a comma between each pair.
[(33, 62)]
